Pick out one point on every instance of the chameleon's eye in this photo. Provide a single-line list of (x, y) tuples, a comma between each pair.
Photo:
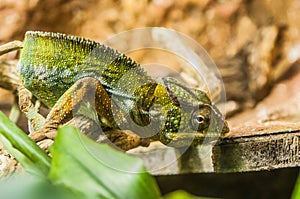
[(200, 119)]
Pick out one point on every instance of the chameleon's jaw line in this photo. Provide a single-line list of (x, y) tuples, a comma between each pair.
[(191, 139), (194, 136)]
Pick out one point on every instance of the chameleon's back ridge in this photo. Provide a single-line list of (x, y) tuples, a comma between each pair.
[(55, 61)]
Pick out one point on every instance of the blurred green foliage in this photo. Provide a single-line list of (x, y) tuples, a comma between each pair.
[(77, 168)]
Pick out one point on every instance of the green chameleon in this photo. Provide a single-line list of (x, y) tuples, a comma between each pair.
[(64, 72)]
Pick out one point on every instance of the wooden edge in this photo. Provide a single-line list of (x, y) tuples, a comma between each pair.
[(257, 152)]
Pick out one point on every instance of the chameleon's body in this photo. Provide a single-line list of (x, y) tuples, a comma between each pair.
[(62, 70)]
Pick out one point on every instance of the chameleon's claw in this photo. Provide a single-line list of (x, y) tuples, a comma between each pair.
[(44, 138), (51, 134), (126, 140), (45, 144), (37, 136), (43, 134)]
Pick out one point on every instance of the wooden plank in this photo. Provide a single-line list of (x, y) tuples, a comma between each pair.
[(253, 148), (275, 147), (163, 160)]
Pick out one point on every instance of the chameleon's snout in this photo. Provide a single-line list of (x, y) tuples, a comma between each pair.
[(225, 128), (218, 122)]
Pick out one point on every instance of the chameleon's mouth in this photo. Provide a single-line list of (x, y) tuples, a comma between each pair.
[(190, 139), (184, 139), (196, 136)]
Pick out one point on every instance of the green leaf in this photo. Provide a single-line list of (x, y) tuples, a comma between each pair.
[(296, 191), (97, 170), (31, 187), (18, 144), (180, 194)]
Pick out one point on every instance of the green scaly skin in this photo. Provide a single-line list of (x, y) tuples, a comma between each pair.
[(52, 65)]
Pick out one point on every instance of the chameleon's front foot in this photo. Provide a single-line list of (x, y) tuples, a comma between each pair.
[(44, 137), (45, 144), (43, 134), (126, 139)]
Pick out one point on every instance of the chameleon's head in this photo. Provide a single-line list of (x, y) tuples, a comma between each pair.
[(191, 117)]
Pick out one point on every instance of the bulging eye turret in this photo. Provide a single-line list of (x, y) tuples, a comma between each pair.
[(200, 118)]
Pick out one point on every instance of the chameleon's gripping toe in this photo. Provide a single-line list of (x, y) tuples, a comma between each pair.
[(43, 134)]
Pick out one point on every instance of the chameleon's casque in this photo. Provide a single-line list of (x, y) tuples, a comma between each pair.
[(53, 64)]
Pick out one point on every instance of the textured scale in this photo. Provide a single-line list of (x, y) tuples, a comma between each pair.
[(52, 62)]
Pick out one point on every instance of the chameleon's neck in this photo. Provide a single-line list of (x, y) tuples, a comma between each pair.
[(155, 108)]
